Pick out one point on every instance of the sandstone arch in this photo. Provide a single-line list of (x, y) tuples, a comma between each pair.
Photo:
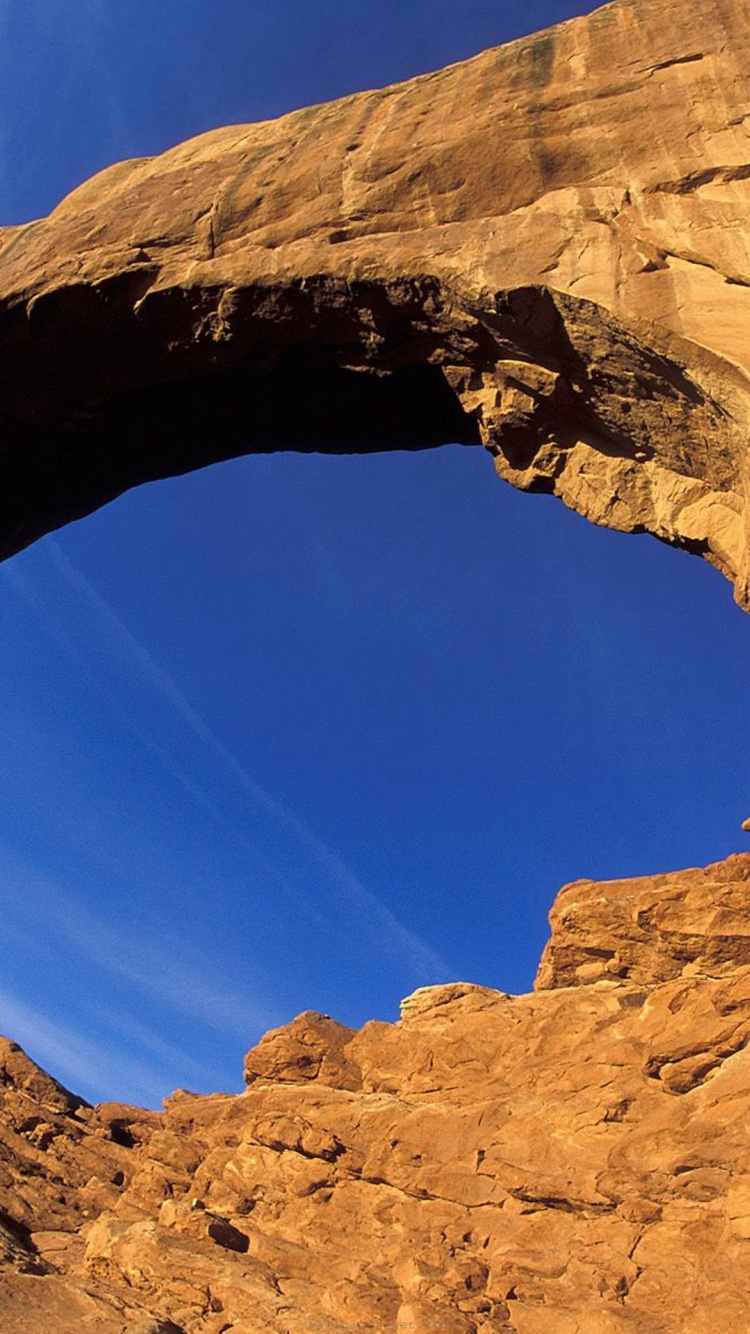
[(543, 250)]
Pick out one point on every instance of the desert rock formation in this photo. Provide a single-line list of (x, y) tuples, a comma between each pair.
[(574, 1160), (543, 250)]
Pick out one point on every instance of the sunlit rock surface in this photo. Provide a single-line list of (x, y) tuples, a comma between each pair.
[(543, 250), (573, 1160)]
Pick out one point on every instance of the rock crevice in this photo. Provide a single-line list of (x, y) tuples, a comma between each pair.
[(573, 1159), (503, 253)]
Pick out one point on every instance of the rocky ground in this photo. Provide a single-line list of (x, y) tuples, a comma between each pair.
[(574, 1160), (543, 251)]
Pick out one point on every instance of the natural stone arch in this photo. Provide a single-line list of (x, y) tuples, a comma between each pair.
[(541, 251), (503, 253)]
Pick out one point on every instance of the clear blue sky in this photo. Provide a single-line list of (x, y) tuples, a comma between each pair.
[(310, 732)]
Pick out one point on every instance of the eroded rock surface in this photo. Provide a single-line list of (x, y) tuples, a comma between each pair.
[(574, 1160), (543, 250)]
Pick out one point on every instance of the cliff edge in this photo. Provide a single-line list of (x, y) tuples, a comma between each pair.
[(572, 1160)]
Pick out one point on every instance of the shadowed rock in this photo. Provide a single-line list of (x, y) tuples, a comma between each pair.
[(543, 250)]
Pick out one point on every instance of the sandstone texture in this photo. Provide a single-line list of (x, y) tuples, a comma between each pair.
[(543, 250), (570, 1162)]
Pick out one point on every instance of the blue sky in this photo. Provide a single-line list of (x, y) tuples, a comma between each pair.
[(309, 732)]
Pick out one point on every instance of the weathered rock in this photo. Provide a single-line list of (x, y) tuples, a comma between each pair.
[(652, 929), (544, 250), (312, 1047), (572, 1160)]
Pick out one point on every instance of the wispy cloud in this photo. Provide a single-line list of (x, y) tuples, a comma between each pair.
[(85, 1065), (186, 1069), (169, 971), (375, 920)]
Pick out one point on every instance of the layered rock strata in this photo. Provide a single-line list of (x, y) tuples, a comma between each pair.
[(544, 250), (573, 1160)]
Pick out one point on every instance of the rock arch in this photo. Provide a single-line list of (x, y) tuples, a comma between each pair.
[(542, 251)]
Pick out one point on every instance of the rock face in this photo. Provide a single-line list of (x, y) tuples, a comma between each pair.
[(543, 250), (574, 1160)]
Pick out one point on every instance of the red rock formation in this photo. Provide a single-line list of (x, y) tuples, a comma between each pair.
[(572, 1160), (543, 249)]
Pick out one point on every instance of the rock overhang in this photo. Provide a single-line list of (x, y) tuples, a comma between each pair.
[(502, 253)]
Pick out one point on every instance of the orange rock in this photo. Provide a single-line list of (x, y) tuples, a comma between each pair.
[(557, 268), (543, 250), (570, 1160)]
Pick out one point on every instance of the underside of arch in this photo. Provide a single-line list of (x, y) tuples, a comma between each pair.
[(540, 276)]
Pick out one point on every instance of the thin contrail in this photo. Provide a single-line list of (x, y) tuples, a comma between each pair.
[(171, 973), (393, 934), (75, 1057)]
